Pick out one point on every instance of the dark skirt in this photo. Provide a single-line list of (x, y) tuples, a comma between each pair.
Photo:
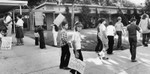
[(19, 32)]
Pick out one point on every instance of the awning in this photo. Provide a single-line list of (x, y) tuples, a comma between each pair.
[(6, 6)]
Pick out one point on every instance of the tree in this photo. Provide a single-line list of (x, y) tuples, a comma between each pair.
[(125, 21), (136, 16), (68, 17), (147, 7), (33, 3), (129, 15), (85, 13)]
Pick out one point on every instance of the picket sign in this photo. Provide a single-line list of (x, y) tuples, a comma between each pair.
[(6, 43), (75, 63), (59, 19)]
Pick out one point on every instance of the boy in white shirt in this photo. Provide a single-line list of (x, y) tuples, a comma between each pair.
[(110, 31)]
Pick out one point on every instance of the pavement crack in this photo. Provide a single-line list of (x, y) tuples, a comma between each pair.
[(41, 70)]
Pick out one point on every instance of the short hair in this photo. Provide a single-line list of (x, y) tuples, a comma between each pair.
[(110, 23), (133, 19), (20, 16), (64, 23), (144, 16), (101, 20), (119, 18)]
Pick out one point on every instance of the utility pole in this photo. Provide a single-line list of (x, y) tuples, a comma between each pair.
[(72, 16)]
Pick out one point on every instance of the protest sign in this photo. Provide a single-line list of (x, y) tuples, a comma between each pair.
[(59, 19), (6, 43), (75, 63), (39, 18)]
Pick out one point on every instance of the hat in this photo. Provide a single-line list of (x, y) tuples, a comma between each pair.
[(78, 24)]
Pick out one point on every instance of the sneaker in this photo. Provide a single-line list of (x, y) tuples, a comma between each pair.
[(133, 60), (105, 58)]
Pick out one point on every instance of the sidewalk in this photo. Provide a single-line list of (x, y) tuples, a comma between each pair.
[(29, 59)]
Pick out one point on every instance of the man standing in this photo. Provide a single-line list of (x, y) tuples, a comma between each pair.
[(132, 31), (8, 23), (119, 31)]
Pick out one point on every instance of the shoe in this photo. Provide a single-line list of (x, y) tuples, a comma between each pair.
[(145, 45), (133, 60), (61, 67), (110, 53), (105, 58), (66, 68)]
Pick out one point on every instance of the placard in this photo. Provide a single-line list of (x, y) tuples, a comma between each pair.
[(59, 19), (77, 64), (39, 18), (6, 43)]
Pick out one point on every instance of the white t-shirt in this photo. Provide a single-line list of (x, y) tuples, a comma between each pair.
[(119, 26), (20, 22), (8, 19), (143, 25), (110, 30), (76, 38), (102, 34)]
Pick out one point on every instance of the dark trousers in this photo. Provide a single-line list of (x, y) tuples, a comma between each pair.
[(99, 45), (145, 39), (81, 58), (133, 44), (110, 44), (65, 56), (119, 33), (36, 41), (42, 40)]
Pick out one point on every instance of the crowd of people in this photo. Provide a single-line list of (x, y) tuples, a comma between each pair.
[(105, 39), (6, 25)]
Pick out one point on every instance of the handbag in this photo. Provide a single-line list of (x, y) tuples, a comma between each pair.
[(148, 26)]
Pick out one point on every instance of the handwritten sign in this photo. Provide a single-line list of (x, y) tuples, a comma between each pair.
[(6, 43), (59, 19), (39, 18), (77, 64)]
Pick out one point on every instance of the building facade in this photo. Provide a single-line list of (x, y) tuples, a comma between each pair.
[(51, 10)]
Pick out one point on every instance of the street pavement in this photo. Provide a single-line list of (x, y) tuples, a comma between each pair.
[(30, 59)]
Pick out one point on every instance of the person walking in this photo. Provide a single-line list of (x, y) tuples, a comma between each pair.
[(132, 31), (110, 31), (55, 34), (76, 43), (119, 31), (145, 31), (64, 43), (19, 30), (102, 39), (8, 23)]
